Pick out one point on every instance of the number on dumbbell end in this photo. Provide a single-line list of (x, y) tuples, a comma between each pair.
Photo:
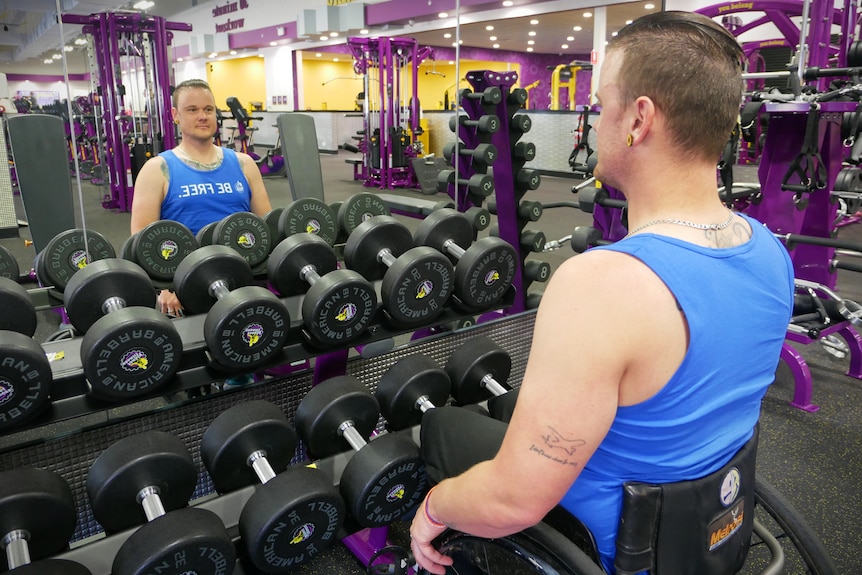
[(295, 512), (309, 216), (528, 179), (338, 305), (160, 247), (417, 281), (521, 123), (537, 271), (385, 478), (129, 349), (485, 268), (150, 477), (246, 325)]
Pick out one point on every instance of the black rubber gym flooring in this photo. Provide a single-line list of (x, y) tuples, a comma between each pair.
[(814, 459)]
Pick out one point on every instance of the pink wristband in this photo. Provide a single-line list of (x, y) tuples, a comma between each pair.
[(431, 521)]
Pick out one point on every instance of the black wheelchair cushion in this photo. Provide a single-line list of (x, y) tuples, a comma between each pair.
[(698, 527)]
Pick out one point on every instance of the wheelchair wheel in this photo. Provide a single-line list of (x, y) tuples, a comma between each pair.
[(805, 552), (539, 549)]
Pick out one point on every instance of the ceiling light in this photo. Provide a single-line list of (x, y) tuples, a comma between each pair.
[(318, 54), (508, 3), (570, 38), (233, 52), (629, 22), (530, 42), (565, 46), (588, 14), (443, 15), (577, 28), (260, 55), (179, 59), (451, 62), (68, 48), (273, 43), (213, 54), (613, 33), (493, 38), (496, 46), (489, 27), (649, 6), (454, 44), (529, 49), (143, 5), (335, 60), (333, 34), (80, 41), (364, 31), (447, 35), (534, 21), (56, 56), (324, 37), (48, 61), (531, 33)]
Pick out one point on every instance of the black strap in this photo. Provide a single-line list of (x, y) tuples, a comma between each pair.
[(852, 139), (748, 117), (725, 165), (583, 144), (808, 165)]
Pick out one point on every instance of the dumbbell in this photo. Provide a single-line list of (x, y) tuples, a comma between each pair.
[(485, 268), (417, 281), (527, 179), (160, 247), (585, 237), (385, 479), (37, 519), (25, 373), (338, 304), (271, 219), (590, 197), (520, 124), (482, 153), (310, 216), (246, 233), (480, 184), (527, 210), (486, 124), (358, 208), (530, 240), (204, 236), (291, 516), (149, 477), (518, 97), (524, 151), (490, 95), (9, 265), (68, 252), (129, 349), (412, 386), (477, 370), (246, 325)]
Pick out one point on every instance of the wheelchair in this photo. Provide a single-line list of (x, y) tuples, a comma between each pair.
[(728, 522)]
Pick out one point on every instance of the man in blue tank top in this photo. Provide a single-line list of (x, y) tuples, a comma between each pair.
[(650, 357), (197, 182)]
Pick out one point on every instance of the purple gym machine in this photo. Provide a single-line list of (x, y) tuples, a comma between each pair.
[(122, 43), (390, 109)]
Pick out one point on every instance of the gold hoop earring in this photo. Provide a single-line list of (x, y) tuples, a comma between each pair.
[(630, 140)]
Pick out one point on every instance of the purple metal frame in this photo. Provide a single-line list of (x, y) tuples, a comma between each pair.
[(106, 29)]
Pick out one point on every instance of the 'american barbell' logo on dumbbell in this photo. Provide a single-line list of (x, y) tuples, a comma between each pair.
[(79, 259), (491, 277), (396, 493), (312, 227), (302, 533), (347, 312), (426, 287), (169, 249), (7, 390), (134, 360), (246, 240), (252, 333)]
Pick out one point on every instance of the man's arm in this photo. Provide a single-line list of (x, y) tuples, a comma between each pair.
[(260, 204), (150, 187)]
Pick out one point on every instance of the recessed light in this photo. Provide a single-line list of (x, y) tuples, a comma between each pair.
[(324, 37), (68, 48), (56, 56), (233, 52), (613, 33), (273, 43), (48, 61), (489, 27), (577, 28), (629, 22), (496, 46), (443, 15), (213, 54), (508, 3), (531, 33), (588, 14), (318, 54), (179, 59), (565, 46), (81, 41), (649, 6), (336, 60), (530, 42), (534, 21), (260, 55), (493, 38), (570, 38), (333, 34), (447, 35), (451, 62), (363, 31), (454, 43), (529, 49)]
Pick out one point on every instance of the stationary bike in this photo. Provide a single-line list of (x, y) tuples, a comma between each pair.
[(272, 163)]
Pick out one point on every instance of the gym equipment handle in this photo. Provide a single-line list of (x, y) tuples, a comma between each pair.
[(791, 239)]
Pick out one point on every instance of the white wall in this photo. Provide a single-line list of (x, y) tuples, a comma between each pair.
[(76, 87)]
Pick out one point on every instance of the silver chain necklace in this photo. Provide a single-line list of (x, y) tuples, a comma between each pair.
[(687, 224), (200, 165)]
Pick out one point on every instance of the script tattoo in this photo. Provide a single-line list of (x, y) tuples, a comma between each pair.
[(554, 440)]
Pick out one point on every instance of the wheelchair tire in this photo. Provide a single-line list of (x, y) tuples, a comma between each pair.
[(794, 527), (539, 549)]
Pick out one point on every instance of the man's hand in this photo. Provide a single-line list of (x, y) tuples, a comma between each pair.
[(422, 532), (168, 303)]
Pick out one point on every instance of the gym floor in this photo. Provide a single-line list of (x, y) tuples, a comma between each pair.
[(814, 459)]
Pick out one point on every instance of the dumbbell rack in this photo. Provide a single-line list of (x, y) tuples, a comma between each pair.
[(508, 192)]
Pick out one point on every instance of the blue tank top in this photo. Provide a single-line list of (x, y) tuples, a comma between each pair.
[(737, 302), (198, 197)]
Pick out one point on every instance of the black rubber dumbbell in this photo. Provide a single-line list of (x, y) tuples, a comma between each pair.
[(160, 247), (385, 479), (486, 124), (308, 216), (129, 349), (417, 281), (295, 512), (358, 208), (527, 179), (524, 151), (518, 97), (338, 304), (412, 386), (590, 197), (271, 219), (37, 519), (529, 240), (67, 253), (527, 210), (483, 153), (247, 234), (25, 373), (520, 124), (585, 237), (485, 268), (479, 184), (490, 95), (9, 265), (246, 325), (205, 234), (480, 217), (537, 271), (478, 369), (149, 478)]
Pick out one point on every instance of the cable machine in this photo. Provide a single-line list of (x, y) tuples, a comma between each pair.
[(390, 108), (130, 72)]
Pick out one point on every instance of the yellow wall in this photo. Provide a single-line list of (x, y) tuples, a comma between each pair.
[(243, 78), (342, 84)]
